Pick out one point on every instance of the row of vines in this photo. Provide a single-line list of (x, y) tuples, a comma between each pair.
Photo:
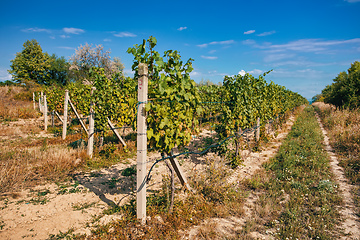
[(176, 105)]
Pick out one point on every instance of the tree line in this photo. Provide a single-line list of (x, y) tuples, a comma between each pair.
[(345, 89), (33, 66)]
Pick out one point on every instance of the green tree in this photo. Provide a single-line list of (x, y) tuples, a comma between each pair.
[(58, 71), (31, 64), (345, 89)]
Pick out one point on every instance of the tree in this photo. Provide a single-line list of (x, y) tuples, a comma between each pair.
[(58, 71), (87, 57), (345, 90), (31, 64)]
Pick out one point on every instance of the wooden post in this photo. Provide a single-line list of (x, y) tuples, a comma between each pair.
[(175, 164), (34, 100), (257, 132), (112, 127), (45, 114), (41, 102), (65, 114), (141, 143), (90, 146), (77, 115), (56, 113), (52, 118)]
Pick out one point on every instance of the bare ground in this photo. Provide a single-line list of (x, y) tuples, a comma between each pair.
[(350, 222), (227, 227), (49, 209)]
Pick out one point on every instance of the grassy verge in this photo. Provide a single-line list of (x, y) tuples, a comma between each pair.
[(297, 197), (343, 127)]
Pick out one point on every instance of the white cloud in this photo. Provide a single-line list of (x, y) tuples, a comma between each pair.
[(227, 42), (212, 51), (352, 1), (203, 45), (4, 75), (249, 32), (311, 45), (256, 72), (209, 57), (124, 34), (194, 74), (302, 45), (248, 42), (242, 73), (252, 72), (266, 33), (73, 30), (182, 28), (64, 36), (107, 40), (36, 30)]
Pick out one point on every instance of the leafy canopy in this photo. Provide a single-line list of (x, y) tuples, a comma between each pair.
[(173, 96), (31, 64)]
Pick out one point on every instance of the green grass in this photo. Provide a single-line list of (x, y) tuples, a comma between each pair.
[(300, 190)]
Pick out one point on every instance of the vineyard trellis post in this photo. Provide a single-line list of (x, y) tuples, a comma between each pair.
[(52, 118), (90, 147), (34, 100), (176, 166), (141, 143), (45, 114), (257, 131), (65, 114), (41, 102)]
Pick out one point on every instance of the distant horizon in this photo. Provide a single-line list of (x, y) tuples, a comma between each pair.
[(306, 43)]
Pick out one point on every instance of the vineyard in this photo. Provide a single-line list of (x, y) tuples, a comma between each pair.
[(168, 158), (175, 106)]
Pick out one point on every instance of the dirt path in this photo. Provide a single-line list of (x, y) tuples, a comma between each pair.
[(78, 206), (350, 223), (252, 163)]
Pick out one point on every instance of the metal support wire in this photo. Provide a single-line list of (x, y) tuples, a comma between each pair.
[(244, 132)]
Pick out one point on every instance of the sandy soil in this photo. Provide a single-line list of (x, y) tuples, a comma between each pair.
[(252, 163), (50, 209), (350, 224)]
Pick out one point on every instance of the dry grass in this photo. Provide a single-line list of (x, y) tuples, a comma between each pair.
[(343, 126), (16, 102), (27, 167)]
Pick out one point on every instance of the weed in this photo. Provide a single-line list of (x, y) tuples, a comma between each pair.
[(63, 235), (129, 171), (82, 206), (2, 225), (69, 188), (39, 200)]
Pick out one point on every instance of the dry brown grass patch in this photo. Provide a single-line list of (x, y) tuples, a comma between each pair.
[(27, 167), (15, 103)]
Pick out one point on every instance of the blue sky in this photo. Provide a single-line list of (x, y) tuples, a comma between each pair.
[(306, 43)]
